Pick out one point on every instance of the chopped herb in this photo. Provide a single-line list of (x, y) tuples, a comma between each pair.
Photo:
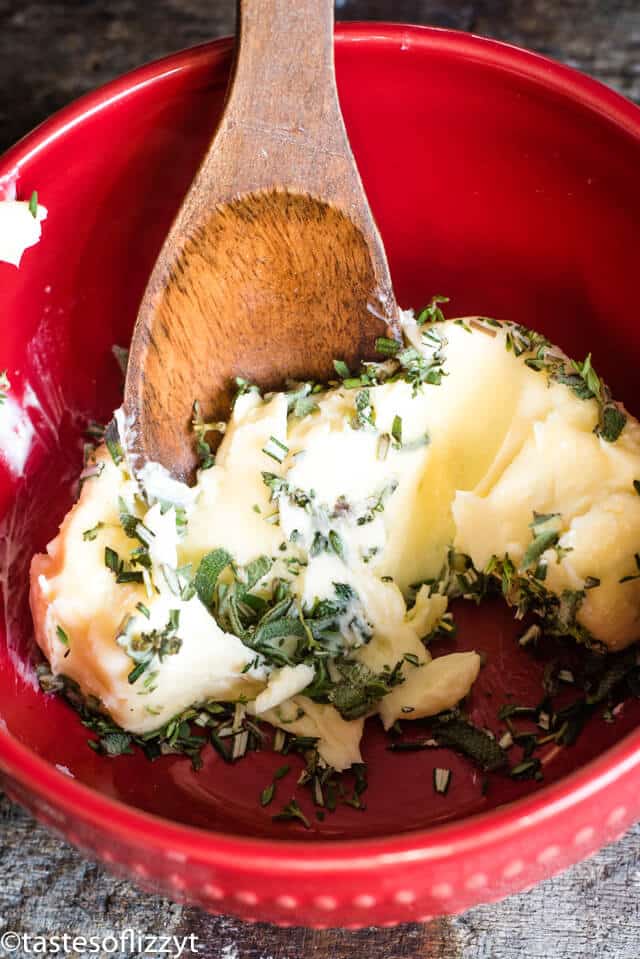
[(531, 635), (62, 636), (527, 769), (612, 423), (336, 544), (432, 313), (341, 369), (412, 658), (143, 609), (290, 812), (566, 676), (627, 579), (112, 440), (5, 386), (384, 442), (396, 430), (33, 204), (540, 544), (387, 347), (121, 356), (120, 569), (114, 744), (267, 794), (201, 428), (441, 780), (471, 741), (209, 570), (365, 414), (90, 534), (275, 449)]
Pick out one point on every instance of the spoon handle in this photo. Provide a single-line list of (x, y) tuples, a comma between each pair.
[(283, 88), (282, 126)]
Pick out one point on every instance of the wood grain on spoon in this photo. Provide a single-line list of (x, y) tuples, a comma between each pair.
[(274, 265)]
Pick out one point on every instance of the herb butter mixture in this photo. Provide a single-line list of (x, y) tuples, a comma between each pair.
[(304, 580)]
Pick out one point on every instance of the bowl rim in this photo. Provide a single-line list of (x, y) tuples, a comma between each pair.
[(437, 842)]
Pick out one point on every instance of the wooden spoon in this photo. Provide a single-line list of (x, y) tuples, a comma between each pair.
[(273, 266)]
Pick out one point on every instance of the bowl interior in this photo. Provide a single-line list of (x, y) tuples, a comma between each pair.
[(492, 183)]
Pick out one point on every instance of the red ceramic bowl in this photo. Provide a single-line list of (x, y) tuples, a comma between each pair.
[(502, 179)]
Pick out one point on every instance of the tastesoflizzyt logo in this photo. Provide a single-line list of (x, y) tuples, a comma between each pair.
[(68, 944)]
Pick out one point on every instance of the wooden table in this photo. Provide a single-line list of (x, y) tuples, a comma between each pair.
[(50, 52)]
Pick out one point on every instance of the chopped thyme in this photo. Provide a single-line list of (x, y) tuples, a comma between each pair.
[(33, 204), (5, 386)]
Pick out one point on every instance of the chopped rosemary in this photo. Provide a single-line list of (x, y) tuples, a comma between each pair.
[(441, 780), (396, 430), (112, 440), (275, 449), (120, 568)]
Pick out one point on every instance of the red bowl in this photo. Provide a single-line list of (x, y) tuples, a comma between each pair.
[(498, 177)]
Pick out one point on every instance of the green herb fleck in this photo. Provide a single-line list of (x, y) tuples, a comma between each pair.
[(5, 386), (290, 812)]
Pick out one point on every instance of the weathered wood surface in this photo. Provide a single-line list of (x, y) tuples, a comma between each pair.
[(50, 52)]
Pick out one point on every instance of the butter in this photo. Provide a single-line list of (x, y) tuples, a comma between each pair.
[(19, 229), (360, 499)]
